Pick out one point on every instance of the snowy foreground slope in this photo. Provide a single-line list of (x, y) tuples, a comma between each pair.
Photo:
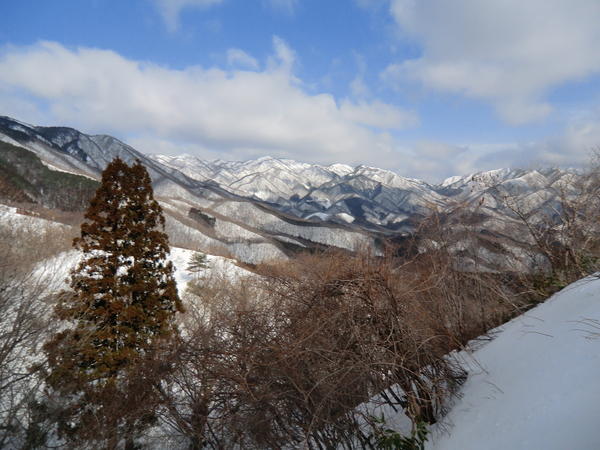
[(537, 384)]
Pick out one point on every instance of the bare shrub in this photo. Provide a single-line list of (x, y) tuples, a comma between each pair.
[(27, 278), (286, 358), (557, 226), (465, 274), (202, 393)]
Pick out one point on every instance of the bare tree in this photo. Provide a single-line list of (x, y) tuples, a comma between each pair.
[(28, 260), (557, 226), (286, 358)]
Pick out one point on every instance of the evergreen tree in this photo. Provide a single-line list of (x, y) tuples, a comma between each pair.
[(121, 307), (197, 263)]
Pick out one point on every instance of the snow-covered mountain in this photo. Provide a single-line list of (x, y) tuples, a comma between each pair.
[(374, 198), (200, 215), (366, 197), (267, 208)]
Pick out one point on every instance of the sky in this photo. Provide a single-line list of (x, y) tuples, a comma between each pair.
[(427, 89)]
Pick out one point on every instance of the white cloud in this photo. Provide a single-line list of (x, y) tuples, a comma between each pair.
[(234, 112), (434, 161), (285, 57), (580, 138), (571, 148), (170, 9), (508, 52), (239, 58), (358, 86), (238, 114), (378, 114), (438, 150), (284, 6)]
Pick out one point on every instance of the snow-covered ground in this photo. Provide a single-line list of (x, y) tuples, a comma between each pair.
[(216, 264), (55, 271), (536, 385), (63, 263)]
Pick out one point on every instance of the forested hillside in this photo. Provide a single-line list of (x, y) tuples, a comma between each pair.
[(24, 178)]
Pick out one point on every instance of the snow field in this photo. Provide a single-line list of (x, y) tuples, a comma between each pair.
[(535, 386)]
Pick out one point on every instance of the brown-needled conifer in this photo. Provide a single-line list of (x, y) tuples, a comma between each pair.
[(119, 312)]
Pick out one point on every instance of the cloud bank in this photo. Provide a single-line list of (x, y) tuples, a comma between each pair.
[(244, 113), (170, 9), (510, 53)]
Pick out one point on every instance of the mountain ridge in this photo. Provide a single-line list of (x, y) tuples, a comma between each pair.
[(259, 234), (260, 209)]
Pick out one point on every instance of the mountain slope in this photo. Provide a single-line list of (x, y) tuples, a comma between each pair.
[(373, 198), (270, 234), (363, 197), (268, 208), (24, 178)]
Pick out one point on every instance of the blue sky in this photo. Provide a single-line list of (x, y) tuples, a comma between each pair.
[(425, 88)]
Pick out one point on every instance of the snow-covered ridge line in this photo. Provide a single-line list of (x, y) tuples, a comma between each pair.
[(58, 169), (359, 198), (343, 194)]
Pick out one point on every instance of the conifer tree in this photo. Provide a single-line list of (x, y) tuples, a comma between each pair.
[(120, 313), (197, 263)]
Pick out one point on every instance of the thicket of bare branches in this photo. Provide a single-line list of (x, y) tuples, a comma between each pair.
[(557, 228), (25, 281), (286, 357), (471, 278)]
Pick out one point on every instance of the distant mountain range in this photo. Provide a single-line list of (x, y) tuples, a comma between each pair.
[(260, 209), (367, 197)]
